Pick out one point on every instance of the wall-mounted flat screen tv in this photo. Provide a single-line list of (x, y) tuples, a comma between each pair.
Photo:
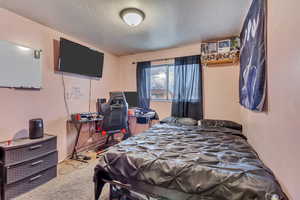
[(78, 59)]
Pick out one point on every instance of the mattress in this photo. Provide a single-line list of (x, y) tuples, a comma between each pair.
[(186, 163)]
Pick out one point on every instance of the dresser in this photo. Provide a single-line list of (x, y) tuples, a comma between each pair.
[(26, 164)]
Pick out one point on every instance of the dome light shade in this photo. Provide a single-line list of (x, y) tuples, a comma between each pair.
[(132, 16)]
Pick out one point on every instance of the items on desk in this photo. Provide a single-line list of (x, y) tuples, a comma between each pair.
[(143, 116), (131, 113), (142, 119), (86, 116)]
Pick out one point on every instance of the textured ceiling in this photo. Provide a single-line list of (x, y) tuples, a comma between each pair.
[(168, 23)]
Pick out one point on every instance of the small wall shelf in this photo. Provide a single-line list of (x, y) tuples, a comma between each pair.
[(221, 52)]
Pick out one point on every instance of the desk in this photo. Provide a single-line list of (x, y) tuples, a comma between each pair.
[(78, 125), (136, 128)]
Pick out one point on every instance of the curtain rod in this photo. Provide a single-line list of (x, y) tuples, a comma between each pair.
[(162, 59)]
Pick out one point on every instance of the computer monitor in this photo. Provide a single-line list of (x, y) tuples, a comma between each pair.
[(131, 98)]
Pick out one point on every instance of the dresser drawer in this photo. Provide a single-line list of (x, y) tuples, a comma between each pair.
[(30, 151), (18, 172), (29, 183)]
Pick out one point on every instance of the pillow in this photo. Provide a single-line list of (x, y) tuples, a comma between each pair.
[(169, 120), (220, 123), (187, 121), (180, 121)]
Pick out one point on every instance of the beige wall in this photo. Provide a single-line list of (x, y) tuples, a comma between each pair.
[(18, 106), (275, 134), (220, 83)]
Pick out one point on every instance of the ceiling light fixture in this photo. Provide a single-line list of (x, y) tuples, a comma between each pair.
[(132, 16)]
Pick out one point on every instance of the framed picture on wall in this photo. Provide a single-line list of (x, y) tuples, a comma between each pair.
[(204, 48), (212, 47), (224, 46)]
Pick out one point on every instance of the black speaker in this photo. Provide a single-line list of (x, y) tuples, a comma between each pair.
[(36, 128)]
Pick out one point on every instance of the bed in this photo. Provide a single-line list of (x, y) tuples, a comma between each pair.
[(175, 162)]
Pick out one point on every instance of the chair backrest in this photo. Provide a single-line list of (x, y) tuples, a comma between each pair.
[(115, 112)]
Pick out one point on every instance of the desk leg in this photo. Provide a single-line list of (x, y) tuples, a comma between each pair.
[(128, 134), (74, 153), (109, 138)]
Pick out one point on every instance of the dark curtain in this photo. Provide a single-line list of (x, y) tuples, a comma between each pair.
[(143, 84), (187, 97)]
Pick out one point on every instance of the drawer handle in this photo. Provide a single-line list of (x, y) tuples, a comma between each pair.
[(37, 163), (35, 147), (35, 178)]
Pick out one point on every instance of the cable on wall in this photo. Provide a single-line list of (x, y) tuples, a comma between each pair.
[(65, 98), (90, 98), (90, 95)]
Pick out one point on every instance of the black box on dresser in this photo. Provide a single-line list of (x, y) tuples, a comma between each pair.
[(26, 164)]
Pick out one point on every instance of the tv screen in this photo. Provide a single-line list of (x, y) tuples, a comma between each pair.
[(132, 99), (78, 59)]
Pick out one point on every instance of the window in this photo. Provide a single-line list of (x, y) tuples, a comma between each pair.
[(162, 82)]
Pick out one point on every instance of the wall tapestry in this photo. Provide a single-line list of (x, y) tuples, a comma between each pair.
[(253, 57)]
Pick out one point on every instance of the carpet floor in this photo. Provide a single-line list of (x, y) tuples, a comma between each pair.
[(74, 182)]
